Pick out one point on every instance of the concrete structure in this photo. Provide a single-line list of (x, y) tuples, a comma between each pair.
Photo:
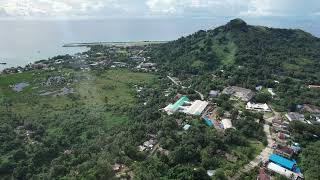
[(214, 93), (197, 107), (239, 92), (186, 127), (226, 123), (283, 171), (284, 162), (270, 90), (184, 105), (259, 88), (258, 107), (294, 116), (284, 151), (172, 108)]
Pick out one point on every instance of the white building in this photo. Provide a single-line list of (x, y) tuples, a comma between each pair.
[(270, 90), (258, 107), (283, 171), (197, 107), (294, 116), (226, 123)]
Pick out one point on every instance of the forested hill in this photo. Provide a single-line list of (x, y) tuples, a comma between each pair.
[(261, 52)]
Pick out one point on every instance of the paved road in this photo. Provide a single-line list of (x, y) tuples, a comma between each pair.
[(263, 156), (174, 81)]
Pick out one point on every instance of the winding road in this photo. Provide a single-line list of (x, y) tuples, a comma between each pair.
[(262, 157)]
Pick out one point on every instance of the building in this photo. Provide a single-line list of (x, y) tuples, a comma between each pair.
[(294, 116), (239, 92), (172, 108), (284, 152), (270, 90), (283, 171), (314, 86), (311, 109), (258, 107), (186, 106), (208, 121), (263, 175), (137, 58), (259, 88), (186, 127), (296, 147), (284, 162), (226, 123), (197, 107), (214, 93)]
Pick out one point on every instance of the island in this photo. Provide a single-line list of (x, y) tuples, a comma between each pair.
[(234, 102)]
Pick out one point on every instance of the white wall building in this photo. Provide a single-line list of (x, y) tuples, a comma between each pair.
[(258, 107)]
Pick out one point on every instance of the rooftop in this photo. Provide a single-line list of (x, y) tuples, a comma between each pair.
[(281, 161)]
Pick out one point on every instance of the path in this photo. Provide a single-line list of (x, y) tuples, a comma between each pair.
[(262, 157), (178, 84)]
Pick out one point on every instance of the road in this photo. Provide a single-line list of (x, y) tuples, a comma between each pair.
[(178, 84), (262, 157), (174, 81)]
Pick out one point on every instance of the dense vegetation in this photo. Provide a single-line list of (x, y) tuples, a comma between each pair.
[(247, 56), (82, 134)]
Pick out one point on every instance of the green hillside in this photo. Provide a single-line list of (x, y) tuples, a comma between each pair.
[(261, 50)]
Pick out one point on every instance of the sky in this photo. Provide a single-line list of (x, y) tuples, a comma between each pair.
[(96, 9)]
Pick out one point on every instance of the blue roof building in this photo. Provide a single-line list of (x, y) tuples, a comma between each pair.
[(208, 121), (281, 161)]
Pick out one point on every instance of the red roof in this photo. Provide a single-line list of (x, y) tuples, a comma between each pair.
[(286, 149), (263, 175)]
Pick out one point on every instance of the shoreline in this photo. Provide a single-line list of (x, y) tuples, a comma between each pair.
[(116, 43)]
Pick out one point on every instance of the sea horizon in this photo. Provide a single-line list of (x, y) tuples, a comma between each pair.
[(32, 40)]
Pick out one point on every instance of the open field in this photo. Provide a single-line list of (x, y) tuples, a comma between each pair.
[(99, 95)]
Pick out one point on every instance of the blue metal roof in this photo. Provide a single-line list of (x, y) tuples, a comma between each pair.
[(208, 121), (286, 163)]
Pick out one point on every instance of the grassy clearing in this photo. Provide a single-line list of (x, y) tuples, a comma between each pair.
[(93, 92)]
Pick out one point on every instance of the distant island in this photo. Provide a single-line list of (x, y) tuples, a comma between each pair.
[(3, 63)]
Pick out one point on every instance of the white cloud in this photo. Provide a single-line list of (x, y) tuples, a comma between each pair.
[(150, 8)]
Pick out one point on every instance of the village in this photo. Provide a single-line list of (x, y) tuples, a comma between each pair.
[(276, 158)]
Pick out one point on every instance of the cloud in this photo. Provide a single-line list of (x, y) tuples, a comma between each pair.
[(152, 8)]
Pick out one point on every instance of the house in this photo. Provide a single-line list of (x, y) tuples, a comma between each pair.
[(284, 151), (214, 93), (239, 92), (263, 175), (283, 171), (314, 86), (294, 116), (259, 88), (270, 90), (311, 109), (137, 58), (226, 123), (295, 147), (211, 172), (186, 127), (150, 143), (258, 107)]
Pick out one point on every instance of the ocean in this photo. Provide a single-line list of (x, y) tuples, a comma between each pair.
[(25, 41)]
